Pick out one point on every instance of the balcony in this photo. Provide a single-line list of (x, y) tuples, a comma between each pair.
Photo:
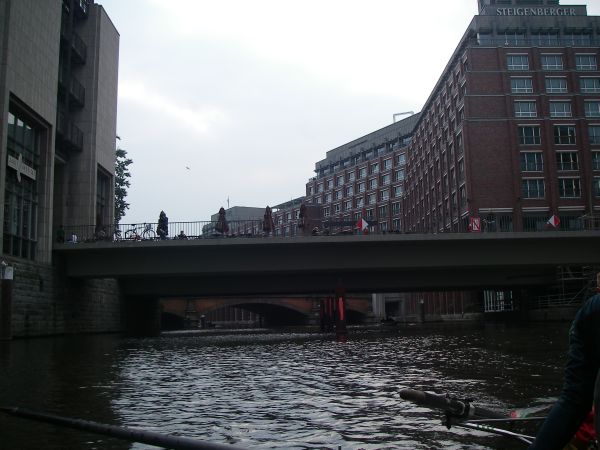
[(76, 92), (79, 49)]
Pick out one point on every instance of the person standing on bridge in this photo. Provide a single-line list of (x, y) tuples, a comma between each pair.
[(581, 386), (163, 226)]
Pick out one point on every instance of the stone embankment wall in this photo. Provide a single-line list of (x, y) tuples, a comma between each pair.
[(45, 303)]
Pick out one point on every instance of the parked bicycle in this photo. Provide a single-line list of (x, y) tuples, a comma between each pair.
[(142, 232)]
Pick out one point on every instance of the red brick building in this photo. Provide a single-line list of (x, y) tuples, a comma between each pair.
[(510, 135)]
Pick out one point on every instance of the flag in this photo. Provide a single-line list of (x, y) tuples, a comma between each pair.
[(554, 221), (362, 225)]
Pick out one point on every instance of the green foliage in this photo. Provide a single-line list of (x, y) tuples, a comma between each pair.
[(122, 176)]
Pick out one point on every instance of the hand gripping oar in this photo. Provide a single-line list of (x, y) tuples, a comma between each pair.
[(128, 434), (461, 409), (461, 412)]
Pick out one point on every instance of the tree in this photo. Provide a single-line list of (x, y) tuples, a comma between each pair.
[(122, 176)]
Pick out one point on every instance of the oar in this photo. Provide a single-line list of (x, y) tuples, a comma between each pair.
[(128, 434)]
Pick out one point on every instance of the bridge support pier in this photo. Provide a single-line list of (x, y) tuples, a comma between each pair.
[(141, 316)]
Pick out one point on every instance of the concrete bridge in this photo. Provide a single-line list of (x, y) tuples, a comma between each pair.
[(316, 265)]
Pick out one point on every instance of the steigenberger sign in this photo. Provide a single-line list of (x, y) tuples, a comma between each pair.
[(536, 12)]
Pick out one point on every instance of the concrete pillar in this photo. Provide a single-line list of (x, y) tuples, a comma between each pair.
[(7, 281), (142, 316)]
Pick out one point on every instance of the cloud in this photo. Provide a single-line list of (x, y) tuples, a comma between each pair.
[(201, 121)]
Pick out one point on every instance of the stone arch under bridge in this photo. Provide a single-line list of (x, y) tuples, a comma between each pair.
[(279, 311)]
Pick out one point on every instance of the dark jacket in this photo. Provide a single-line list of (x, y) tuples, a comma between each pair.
[(581, 371)]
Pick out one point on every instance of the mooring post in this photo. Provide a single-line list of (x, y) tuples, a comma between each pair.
[(340, 299)]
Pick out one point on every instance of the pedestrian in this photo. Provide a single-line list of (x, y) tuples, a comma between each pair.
[(182, 235), (581, 386), (163, 226)]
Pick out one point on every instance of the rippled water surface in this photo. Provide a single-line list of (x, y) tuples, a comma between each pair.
[(278, 391)]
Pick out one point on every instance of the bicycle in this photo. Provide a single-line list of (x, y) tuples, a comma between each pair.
[(147, 233)]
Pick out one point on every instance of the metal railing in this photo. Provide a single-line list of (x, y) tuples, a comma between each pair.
[(330, 226)]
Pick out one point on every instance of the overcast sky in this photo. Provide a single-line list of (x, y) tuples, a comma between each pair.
[(238, 99)]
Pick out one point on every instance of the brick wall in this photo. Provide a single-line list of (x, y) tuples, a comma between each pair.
[(43, 303)]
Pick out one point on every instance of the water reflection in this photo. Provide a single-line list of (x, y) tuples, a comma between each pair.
[(279, 391)]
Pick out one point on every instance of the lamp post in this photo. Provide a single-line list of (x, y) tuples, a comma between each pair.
[(6, 278)]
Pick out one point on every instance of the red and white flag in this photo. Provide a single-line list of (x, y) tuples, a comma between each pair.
[(362, 225), (554, 221)]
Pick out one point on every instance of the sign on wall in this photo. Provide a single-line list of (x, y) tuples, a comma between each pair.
[(21, 167)]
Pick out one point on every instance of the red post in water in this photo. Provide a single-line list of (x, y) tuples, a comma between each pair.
[(340, 297)]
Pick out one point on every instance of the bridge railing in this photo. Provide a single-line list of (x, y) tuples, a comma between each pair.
[(146, 231)]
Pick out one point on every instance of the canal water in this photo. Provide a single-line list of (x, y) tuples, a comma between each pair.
[(279, 390)]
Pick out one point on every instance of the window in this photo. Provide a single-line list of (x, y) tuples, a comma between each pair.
[(349, 191), (589, 85), (560, 109), (533, 188), (399, 175), (596, 186), (310, 190), (362, 172), (369, 213), (518, 62), (329, 184), (586, 62), (359, 202), (514, 38), (594, 134), (521, 85), (569, 188), (549, 39), (382, 212), (351, 177), (387, 164), (525, 109), (326, 211), (385, 179), (320, 187), (337, 208), (373, 183), (347, 205), (529, 135), (398, 190), (401, 159), (384, 195), (371, 199), (596, 160), (555, 85), (395, 208), (532, 162), (374, 168), (102, 194), (339, 180), (592, 108), (567, 161), (21, 195), (396, 224), (337, 195), (578, 39), (461, 170), (463, 195), (552, 62), (564, 134), (328, 197), (361, 187)]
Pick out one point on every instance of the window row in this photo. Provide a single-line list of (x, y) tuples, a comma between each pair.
[(584, 62), (558, 108), (563, 134), (535, 188), (534, 161), (554, 85)]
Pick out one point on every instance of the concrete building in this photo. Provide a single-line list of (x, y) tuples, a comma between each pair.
[(510, 135), (58, 101)]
